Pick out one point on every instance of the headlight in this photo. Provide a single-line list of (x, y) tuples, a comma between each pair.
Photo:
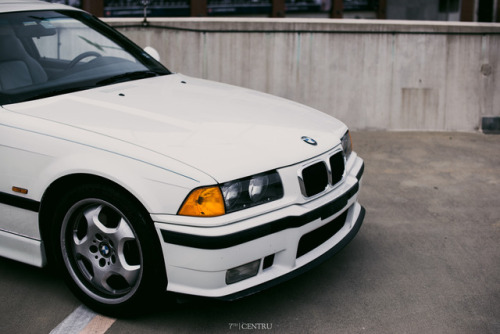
[(231, 193), (346, 144), (252, 191), (233, 196), (257, 187)]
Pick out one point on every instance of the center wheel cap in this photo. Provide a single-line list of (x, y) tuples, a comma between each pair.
[(104, 249)]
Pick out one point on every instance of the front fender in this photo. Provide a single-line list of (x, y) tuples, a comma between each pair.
[(158, 188)]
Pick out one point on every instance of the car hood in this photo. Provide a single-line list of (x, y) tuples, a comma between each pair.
[(225, 131)]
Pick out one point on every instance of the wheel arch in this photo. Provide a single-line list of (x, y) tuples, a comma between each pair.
[(70, 191), (59, 188)]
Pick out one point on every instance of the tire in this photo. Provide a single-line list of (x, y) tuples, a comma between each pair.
[(106, 247)]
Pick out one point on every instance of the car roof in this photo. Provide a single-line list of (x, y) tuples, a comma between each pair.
[(26, 5)]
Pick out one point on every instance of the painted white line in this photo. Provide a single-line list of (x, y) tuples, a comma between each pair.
[(75, 322), (99, 325), (84, 321)]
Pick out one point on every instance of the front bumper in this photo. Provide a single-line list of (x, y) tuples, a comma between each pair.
[(287, 241)]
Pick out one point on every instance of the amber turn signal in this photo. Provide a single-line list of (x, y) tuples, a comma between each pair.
[(203, 202), (20, 190)]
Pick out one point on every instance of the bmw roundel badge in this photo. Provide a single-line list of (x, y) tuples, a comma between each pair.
[(309, 140), (104, 249)]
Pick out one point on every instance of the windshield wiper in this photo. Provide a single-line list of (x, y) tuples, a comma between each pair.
[(128, 76)]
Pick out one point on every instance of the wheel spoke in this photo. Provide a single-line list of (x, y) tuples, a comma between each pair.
[(83, 243), (122, 233), (100, 279), (94, 222), (82, 249), (129, 273)]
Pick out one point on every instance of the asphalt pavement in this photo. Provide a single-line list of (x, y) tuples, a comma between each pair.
[(426, 260)]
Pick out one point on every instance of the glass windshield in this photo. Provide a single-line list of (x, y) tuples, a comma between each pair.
[(46, 53)]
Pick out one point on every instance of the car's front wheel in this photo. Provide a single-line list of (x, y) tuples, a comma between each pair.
[(106, 247)]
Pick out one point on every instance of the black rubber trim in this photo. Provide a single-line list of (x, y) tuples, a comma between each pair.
[(334, 250), (229, 240), (20, 202), (360, 172)]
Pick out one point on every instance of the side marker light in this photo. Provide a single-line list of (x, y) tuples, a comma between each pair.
[(20, 190)]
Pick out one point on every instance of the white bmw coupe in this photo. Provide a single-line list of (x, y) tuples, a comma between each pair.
[(132, 180)]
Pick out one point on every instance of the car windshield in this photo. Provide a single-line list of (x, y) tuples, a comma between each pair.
[(47, 53)]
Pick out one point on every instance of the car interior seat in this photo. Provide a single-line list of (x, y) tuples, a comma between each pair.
[(17, 67)]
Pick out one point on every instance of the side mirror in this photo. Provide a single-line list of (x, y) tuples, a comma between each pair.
[(152, 52)]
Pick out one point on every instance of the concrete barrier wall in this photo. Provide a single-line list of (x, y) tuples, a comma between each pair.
[(370, 74)]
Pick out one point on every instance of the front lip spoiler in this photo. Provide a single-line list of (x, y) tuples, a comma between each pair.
[(234, 239)]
